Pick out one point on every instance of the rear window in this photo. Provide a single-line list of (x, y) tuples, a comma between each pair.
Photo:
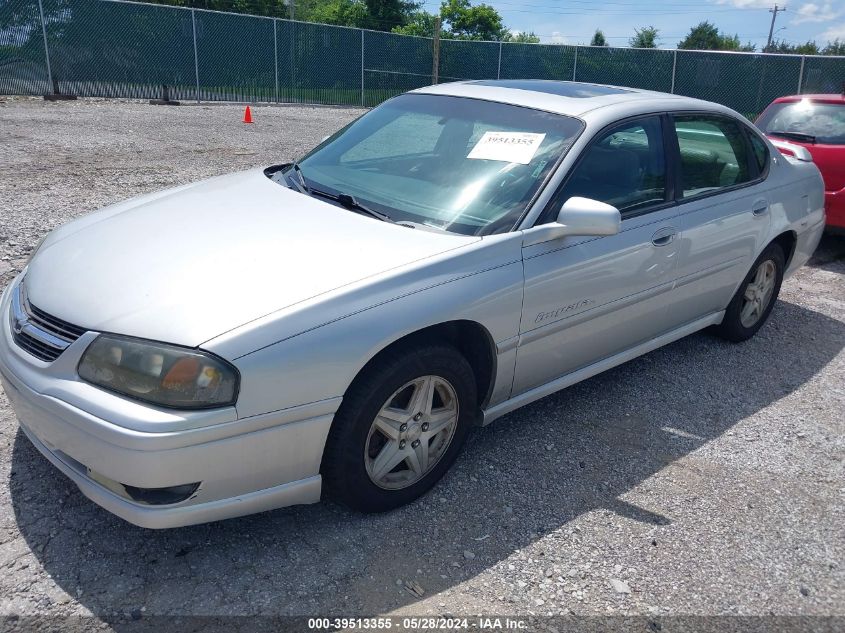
[(805, 121)]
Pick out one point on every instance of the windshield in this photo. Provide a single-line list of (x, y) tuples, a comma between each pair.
[(823, 121), (451, 163)]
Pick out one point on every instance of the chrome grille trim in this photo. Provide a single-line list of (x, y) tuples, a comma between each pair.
[(61, 329), (42, 335)]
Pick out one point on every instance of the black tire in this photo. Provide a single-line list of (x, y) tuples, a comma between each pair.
[(732, 327), (344, 472)]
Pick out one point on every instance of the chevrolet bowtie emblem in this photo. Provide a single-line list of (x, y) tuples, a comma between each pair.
[(18, 324)]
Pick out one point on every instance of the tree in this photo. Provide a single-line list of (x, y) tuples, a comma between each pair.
[(384, 15), (339, 12), (420, 23), (468, 22), (834, 48), (380, 15), (645, 37), (808, 48), (598, 39), (706, 37), (522, 37), (461, 20)]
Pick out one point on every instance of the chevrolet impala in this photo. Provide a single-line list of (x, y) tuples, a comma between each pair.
[(335, 326)]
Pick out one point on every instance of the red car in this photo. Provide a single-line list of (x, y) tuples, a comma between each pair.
[(816, 123)]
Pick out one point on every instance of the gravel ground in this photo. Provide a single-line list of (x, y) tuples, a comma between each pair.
[(704, 478)]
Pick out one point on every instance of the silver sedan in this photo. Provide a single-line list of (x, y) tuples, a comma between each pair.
[(334, 326)]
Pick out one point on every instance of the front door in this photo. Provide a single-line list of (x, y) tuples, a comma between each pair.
[(590, 298)]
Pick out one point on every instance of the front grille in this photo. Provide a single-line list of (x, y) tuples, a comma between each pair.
[(52, 324), (35, 347), (41, 334)]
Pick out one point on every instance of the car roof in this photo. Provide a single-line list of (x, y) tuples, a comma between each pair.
[(825, 98), (571, 98)]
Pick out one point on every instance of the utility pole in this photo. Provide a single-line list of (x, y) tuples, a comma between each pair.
[(774, 13), (291, 9)]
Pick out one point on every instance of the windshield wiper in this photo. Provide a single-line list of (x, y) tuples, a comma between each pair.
[(292, 182), (796, 136), (346, 200), (298, 170), (350, 202)]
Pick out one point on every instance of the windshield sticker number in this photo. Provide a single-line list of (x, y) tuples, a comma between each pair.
[(539, 169), (509, 147)]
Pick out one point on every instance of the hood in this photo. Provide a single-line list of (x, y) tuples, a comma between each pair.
[(187, 265)]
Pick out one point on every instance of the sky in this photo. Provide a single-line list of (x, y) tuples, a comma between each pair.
[(575, 21)]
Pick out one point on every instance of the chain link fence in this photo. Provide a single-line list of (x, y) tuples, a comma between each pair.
[(107, 48)]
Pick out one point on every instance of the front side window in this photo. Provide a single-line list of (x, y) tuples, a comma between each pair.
[(625, 167), (714, 153), (450, 163)]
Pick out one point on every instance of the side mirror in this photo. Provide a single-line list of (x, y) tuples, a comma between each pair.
[(578, 216)]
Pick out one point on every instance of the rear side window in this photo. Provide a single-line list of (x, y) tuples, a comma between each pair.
[(714, 154), (624, 167), (761, 152)]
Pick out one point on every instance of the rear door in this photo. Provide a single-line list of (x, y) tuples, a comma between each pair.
[(589, 298), (724, 208)]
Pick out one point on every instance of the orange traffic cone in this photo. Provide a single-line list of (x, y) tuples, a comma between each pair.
[(247, 115)]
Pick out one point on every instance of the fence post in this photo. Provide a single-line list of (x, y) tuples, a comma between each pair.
[(292, 60), (435, 52), (196, 59), (362, 68), (801, 74), (46, 48), (575, 64), (674, 66), (276, 57), (499, 67)]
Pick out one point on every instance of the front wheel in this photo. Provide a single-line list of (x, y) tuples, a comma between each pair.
[(755, 298), (399, 429)]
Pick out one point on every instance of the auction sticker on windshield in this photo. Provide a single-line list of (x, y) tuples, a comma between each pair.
[(510, 147)]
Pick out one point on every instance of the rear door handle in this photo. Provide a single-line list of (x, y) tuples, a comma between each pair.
[(760, 207), (664, 236)]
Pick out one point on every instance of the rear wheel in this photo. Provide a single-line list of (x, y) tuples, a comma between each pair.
[(400, 427), (753, 302)]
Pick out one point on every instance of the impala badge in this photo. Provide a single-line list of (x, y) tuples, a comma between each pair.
[(572, 307)]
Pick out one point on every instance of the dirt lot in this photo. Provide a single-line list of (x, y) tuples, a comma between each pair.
[(704, 478)]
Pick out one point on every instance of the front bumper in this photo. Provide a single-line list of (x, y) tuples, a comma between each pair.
[(243, 465)]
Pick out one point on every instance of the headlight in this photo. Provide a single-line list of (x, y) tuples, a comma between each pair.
[(161, 374)]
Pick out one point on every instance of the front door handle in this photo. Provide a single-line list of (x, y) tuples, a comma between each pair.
[(664, 236)]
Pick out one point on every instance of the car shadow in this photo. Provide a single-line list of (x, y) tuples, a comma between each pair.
[(830, 253), (528, 474)]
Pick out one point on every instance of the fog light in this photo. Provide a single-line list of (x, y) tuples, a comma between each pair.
[(161, 496), (147, 496)]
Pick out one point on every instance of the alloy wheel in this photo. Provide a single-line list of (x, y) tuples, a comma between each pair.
[(758, 294), (411, 432)]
